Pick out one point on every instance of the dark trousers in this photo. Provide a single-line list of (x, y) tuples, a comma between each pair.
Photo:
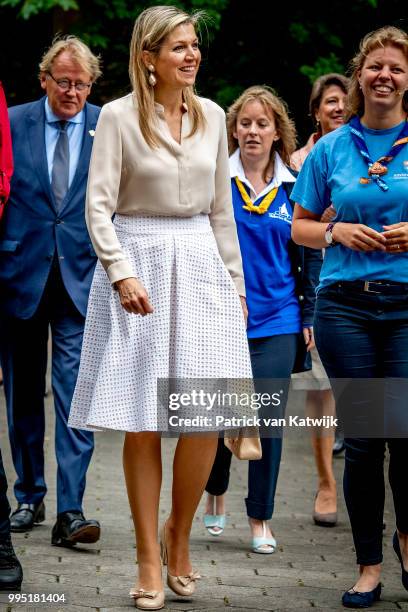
[(24, 361), (365, 336), (4, 504), (271, 358)]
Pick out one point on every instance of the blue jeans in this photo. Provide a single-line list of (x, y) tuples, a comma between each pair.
[(4, 504), (365, 336), (272, 357)]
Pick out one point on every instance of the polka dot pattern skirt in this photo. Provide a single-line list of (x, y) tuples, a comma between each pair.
[(197, 328)]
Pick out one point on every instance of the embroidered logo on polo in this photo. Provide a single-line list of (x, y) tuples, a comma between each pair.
[(282, 213), (402, 172)]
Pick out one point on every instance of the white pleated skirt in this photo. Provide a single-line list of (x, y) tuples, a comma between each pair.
[(196, 331)]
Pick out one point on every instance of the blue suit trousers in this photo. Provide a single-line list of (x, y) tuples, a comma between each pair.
[(24, 360)]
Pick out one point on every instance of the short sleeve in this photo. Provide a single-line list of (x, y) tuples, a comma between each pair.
[(311, 190)]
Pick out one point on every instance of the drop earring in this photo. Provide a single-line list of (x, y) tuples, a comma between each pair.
[(151, 78)]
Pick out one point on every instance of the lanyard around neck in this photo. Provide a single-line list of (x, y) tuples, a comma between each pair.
[(376, 169)]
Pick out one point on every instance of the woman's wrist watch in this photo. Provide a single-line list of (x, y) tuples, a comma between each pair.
[(328, 236)]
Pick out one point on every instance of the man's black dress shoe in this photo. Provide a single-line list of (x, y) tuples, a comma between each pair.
[(26, 515), (11, 573), (72, 527), (355, 599), (397, 548)]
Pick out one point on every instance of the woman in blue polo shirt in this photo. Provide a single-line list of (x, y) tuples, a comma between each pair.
[(361, 318), (261, 140)]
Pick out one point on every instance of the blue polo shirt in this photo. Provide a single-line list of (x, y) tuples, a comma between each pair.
[(273, 306), (331, 173)]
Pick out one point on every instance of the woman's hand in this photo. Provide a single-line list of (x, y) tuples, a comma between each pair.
[(244, 308), (397, 237), (328, 214), (358, 237), (133, 296), (308, 336)]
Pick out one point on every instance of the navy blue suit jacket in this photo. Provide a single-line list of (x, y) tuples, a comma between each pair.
[(32, 231)]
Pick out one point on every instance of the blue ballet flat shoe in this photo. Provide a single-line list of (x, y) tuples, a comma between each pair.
[(262, 544), (396, 546), (216, 521), (355, 599)]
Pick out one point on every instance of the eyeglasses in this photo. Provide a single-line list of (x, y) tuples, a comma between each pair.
[(65, 84)]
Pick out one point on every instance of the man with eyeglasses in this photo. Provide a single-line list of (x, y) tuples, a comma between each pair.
[(46, 268)]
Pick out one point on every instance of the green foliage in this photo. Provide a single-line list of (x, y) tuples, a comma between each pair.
[(322, 65), (227, 93), (115, 9), (28, 8), (299, 32), (250, 43)]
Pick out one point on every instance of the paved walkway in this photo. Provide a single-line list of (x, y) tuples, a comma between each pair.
[(310, 569)]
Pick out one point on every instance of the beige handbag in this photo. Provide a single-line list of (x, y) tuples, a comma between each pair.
[(244, 443)]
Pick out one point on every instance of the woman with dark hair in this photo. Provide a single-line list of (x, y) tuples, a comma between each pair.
[(326, 106), (361, 320), (277, 276)]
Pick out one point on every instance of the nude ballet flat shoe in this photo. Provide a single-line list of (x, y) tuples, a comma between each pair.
[(148, 600), (181, 585), (324, 519)]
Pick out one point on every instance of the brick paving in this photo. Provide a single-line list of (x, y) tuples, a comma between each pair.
[(310, 569)]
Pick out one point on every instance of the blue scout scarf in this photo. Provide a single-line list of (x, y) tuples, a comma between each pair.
[(376, 169)]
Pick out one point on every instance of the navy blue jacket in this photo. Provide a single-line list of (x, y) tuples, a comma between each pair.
[(32, 232), (306, 265)]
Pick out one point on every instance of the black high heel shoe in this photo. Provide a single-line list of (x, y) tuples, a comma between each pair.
[(397, 548), (355, 599)]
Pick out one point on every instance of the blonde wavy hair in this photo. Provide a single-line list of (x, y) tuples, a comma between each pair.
[(79, 52), (150, 31), (388, 35), (273, 105)]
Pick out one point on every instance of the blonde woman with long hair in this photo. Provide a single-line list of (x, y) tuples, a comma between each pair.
[(165, 297)]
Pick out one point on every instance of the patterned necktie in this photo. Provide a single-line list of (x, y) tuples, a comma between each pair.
[(60, 166)]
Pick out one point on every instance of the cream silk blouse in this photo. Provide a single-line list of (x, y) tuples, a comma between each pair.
[(129, 177)]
